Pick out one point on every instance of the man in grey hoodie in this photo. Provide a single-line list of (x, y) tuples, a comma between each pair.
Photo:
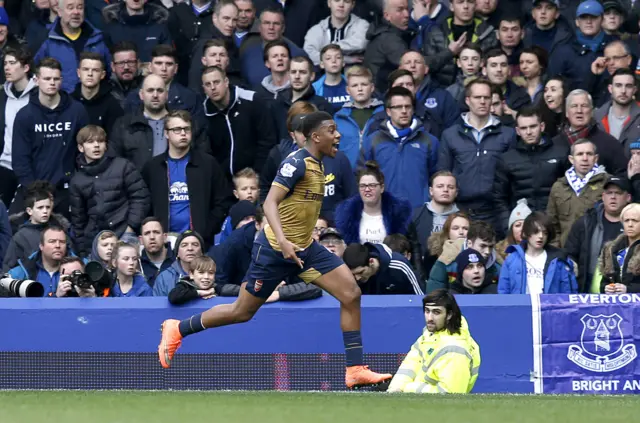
[(19, 84), (276, 58), (430, 218)]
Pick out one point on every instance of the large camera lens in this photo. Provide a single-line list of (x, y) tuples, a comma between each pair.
[(22, 287)]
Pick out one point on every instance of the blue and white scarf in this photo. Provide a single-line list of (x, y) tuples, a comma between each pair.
[(577, 183)]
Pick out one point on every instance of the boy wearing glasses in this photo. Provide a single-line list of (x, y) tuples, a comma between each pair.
[(106, 193), (189, 190)]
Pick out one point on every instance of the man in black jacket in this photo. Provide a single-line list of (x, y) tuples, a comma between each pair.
[(188, 188), (233, 258), (528, 169), (470, 151), (106, 193), (125, 75), (94, 94), (224, 22), (380, 271), (599, 225), (238, 123), (188, 23), (388, 40), (139, 136), (301, 75), (164, 63), (496, 69)]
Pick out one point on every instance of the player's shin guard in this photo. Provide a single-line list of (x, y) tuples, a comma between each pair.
[(191, 325), (353, 348)]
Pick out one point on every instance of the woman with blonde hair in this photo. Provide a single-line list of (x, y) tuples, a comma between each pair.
[(619, 262)]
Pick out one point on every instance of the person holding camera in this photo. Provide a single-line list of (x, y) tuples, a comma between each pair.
[(70, 268)]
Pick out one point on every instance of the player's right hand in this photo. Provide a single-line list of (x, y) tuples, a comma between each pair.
[(289, 250)]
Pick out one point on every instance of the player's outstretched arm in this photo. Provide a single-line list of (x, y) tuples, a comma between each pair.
[(274, 198)]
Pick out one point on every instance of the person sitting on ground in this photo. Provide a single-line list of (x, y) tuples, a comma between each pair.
[(445, 358)]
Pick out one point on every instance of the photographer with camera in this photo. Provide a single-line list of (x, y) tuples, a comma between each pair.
[(71, 272)]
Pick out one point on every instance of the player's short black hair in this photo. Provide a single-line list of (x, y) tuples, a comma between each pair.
[(356, 255), (312, 122)]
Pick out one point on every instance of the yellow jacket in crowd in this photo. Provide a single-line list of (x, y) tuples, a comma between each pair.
[(439, 363)]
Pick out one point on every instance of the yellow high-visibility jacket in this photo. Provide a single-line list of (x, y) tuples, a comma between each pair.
[(439, 363)]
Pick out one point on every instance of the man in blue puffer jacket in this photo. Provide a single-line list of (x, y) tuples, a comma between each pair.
[(380, 271), (406, 153), (69, 36)]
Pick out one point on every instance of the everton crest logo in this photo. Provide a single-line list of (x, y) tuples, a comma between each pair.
[(602, 348)]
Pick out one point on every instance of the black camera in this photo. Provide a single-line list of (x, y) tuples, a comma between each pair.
[(79, 279), (94, 275), (21, 287)]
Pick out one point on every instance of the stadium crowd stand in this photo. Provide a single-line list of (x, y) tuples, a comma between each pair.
[(507, 127)]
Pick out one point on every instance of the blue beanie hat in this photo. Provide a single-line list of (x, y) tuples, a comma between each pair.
[(635, 145), (4, 17)]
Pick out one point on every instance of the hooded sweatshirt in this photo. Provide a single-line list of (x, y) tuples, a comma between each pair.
[(11, 106), (94, 256), (45, 145), (269, 89)]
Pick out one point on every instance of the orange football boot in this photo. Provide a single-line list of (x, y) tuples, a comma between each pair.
[(360, 376), (170, 342)]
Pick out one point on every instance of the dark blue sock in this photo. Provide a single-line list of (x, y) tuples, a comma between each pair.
[(191, 325), (353, 348)]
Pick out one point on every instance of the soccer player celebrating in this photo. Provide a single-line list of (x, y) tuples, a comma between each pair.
[(286, 248)]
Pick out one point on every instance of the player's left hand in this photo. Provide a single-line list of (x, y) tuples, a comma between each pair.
[(289, 250)]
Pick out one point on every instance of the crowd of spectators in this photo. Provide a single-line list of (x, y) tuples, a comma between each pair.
[(145, 134)]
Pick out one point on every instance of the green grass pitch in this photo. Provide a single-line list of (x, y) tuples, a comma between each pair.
[(280, 407)]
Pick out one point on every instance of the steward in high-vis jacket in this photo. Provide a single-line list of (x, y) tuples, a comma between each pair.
[(445, 359)]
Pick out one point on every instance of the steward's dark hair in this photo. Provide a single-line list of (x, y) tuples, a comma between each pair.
[(444, 298)]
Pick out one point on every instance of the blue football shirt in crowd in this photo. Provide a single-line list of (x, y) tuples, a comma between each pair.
[(336, 94), (179, 213)]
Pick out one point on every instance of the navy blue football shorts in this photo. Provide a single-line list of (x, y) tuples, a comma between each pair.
[(268, 267)]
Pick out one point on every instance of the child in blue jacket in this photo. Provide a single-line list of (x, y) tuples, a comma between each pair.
[(534, 266)]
